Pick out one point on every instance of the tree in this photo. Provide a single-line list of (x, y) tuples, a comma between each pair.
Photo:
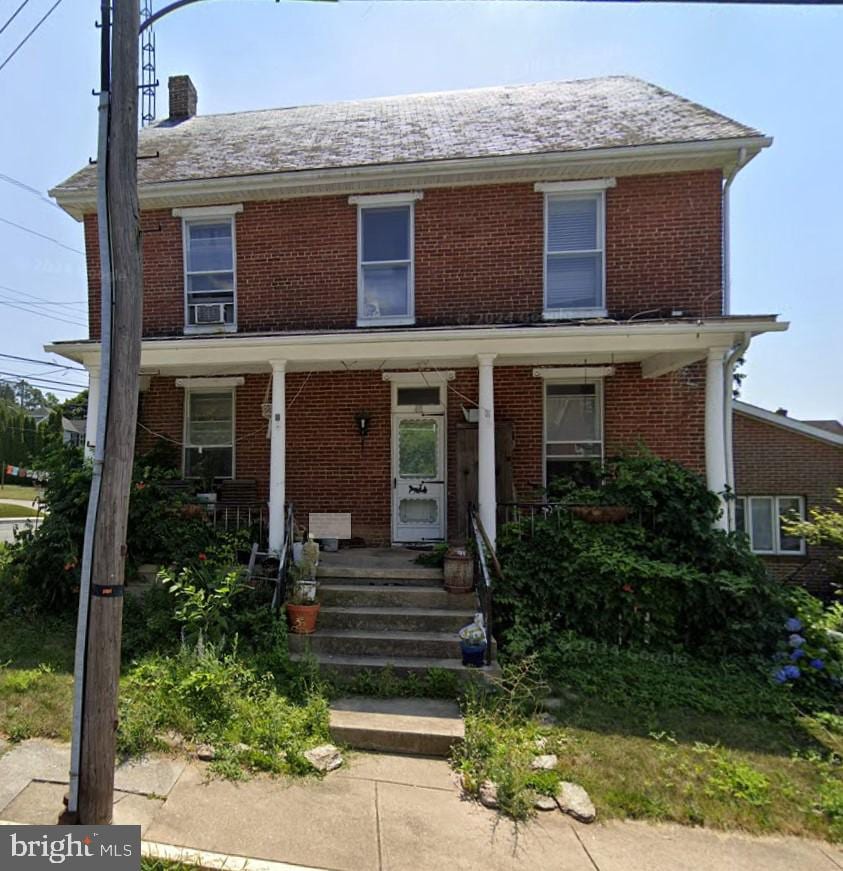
[(825, 525)]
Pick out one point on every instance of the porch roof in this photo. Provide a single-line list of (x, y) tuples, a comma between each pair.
[(660, 346)]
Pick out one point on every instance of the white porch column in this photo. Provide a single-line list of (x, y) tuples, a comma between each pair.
[(715, 430), (486, 496), (93, 410), (277, 458)]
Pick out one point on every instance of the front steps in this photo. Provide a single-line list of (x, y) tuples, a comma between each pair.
[(418, 727), (396, 616)]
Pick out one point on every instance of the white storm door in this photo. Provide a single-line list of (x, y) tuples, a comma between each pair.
[(418, 484)]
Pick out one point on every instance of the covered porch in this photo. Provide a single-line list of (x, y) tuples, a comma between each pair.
[(401, 427)]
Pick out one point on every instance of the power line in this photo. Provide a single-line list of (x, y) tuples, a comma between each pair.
[(27, 378), (23, 42), (14, 15), (42, 362), (43, 236), (30, 190), (39, 314), (40, 299)]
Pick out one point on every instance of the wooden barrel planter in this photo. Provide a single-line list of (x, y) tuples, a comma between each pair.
[(601, 513)]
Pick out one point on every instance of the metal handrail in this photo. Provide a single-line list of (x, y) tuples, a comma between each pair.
[(484, 553), (284, 558)]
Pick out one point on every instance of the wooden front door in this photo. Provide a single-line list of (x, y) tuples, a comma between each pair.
[(466, 485)]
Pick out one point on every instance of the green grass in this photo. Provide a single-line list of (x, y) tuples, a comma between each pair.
[(16, 491), (743, 757), (7, 510)]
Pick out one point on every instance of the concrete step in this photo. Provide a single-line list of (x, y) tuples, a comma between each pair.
[(418, 727), (426, 583), (393, 619), (365, 595), (401, 666), (374, 573), (356, 642)]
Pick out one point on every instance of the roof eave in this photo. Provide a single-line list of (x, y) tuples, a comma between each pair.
[(796, 426), (723, 153)]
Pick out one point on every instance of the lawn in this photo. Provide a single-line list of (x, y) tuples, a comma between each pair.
[(16, 491), (16, 511)]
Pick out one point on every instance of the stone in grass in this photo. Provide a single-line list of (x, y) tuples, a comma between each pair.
[(545, 803), (325, 757), (545, 762), (206, 753), (574, 801), (488, 794)]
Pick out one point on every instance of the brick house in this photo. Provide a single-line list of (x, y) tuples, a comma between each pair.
[(785, 466), (394, 307)]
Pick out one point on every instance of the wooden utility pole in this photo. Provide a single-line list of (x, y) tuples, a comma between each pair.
[(102, 671)]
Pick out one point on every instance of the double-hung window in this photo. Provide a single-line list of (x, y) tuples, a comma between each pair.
[(210, 273), (573, 429), (385, 259), (762, 519), (574, 248), (209, 434)]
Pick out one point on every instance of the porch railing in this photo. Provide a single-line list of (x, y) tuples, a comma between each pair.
[(485, 566), (232, 518)]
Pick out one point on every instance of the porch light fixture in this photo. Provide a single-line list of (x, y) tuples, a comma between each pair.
[(364, 424)]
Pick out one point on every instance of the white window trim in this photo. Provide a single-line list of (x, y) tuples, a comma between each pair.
[(599, 397), (194, 387), (209, 214), (419, 379), (380, 201), (777, 543), (599, 193), (586, 185)]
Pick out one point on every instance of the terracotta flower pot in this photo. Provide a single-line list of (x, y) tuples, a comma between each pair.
[(601, 513), (302, 618)]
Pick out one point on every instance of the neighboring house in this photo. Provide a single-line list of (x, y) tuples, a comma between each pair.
[(39, 414), (786, 467), (503, 283), (73, 431)]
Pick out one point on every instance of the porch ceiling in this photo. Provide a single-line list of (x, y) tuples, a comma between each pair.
[(660, 346)]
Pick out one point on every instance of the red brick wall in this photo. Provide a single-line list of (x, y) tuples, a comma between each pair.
[(772, 461), (478, 256), (327, 470)]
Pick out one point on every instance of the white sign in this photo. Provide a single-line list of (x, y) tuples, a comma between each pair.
[(329, 525)]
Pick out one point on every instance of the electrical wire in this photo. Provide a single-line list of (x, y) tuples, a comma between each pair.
[(40, 299), (43, 236), (42, 362), (29, 189), (24, 41), (41, 314), (20, 377), (14, 15)]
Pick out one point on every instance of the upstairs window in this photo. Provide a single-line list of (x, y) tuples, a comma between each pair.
[(573, 429), (762, 519), (210, 272), (385, 259), (209, 434), (574, 254)]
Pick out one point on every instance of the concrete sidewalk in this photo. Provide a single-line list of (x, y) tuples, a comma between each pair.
[(377, 813)]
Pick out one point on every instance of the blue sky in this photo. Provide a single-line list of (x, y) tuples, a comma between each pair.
[(776, 68)]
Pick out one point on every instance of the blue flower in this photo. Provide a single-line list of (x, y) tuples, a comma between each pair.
[(818, 664), (797, 654), (793, 624), (796, 640), (791, 672), (780, 676)]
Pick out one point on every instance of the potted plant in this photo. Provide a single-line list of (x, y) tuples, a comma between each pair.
[(473, 643), (206, 494), (303, 605)]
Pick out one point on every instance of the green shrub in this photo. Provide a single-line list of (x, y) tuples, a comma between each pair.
[(664, 579)]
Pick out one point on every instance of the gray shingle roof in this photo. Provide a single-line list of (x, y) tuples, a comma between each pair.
[(487, 122)]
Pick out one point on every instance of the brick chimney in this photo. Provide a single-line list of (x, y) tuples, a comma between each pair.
[(782, 412), (182, 98)]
